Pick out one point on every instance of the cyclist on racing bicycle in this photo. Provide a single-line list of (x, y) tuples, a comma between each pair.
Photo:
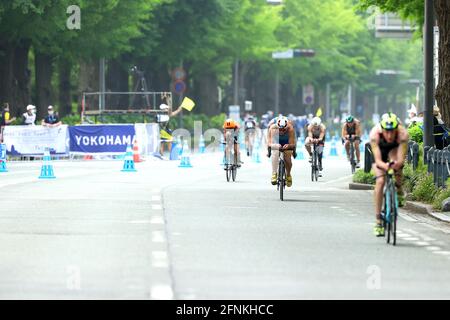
[(316, 134), (389, 142), (281, 136), (352, 127), (230, 124), (250, 126)]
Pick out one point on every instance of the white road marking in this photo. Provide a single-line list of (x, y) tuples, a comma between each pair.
[(339, 179), (140, 221), (410, 238), (160, 259), (422, 243), (407, 218), (161, 292), (444, 253), (157, 220), (433, 248), (427, 238), (156, 207), (158, 237), (404, 235), (156, 198), (412, 231)]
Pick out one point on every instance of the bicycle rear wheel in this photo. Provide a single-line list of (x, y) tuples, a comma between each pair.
[(313, 169), (228, 173)]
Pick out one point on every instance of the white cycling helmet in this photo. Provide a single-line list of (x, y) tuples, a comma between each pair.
[(316, 121), (282, 122)]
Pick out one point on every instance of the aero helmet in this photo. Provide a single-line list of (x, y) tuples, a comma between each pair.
[(389, 121)]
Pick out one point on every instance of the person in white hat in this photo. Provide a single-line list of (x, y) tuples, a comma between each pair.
[(29, 117)]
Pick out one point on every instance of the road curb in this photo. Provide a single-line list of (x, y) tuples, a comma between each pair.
[(426, 209), (360, 186)]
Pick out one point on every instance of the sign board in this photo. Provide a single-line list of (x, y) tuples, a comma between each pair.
[(3, 152), (179, 87), (308, 94), (234, 112), (289, 54), (179, 74), (248, 105)]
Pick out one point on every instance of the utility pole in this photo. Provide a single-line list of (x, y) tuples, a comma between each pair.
[(327, 101), (428, 69), (236, 82), (277, 93), (102, 84)]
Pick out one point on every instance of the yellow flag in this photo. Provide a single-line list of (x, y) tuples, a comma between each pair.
[(319, 112), (188, 104)]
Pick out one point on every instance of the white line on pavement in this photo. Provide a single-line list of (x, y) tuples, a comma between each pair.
[(160, 259), (161, 292), (156, 207), (408, 218), (158, 237), (139, 221), (422, 243), (433, 248), (157, 220), (339, 179), (156, 198), (444, 253)]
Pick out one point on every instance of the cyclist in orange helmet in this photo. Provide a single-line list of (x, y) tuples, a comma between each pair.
[(231, 127)]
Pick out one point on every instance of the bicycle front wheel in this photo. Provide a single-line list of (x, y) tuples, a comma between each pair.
[(394, 218), (388, 215), (281, 179), (234, 172), (228, 173)]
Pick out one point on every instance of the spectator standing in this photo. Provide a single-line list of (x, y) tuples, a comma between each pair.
[(5, 120), (439, 129), (52, 119), (29, 117)]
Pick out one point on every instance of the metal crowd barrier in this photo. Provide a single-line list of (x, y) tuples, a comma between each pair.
[(437, 162)]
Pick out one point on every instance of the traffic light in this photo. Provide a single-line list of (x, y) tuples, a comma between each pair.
[(304, 53)]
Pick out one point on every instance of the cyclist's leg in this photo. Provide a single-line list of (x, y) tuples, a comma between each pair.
[(275, 159), (308, 146), (379, 184), (347, 148), (358, 153), (393, 156), (320, 151), (247, 146), (288, 161)]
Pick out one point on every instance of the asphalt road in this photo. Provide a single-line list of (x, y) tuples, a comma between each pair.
[(185, 233)]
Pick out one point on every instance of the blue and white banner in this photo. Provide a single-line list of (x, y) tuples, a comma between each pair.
[(111, 139), (33, 140), (3, 152)]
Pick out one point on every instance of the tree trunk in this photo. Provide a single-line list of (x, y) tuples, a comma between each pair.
[(88, 81), (15, 76), (44, 71), (206, 93), (6, 74), (65, 100), (442, 9), (117, 81)]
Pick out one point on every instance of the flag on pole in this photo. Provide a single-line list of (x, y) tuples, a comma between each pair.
[(319, 112), (188, 104)]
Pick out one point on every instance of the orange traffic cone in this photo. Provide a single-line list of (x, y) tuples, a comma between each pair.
[(136, 156)]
